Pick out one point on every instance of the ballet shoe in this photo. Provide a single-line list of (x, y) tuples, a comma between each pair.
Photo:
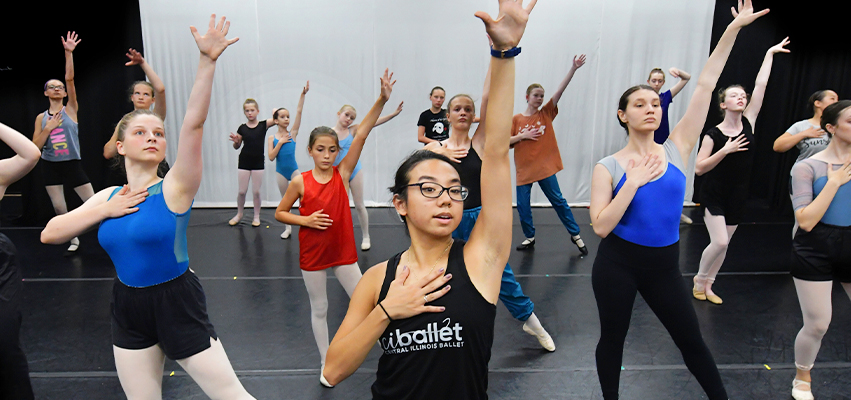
[(799, 394), (545, 340), (365, 245), (75, 244), (699, 294), (255, 223), (713, 298), (286, 234), (233, 222), (322, 379)]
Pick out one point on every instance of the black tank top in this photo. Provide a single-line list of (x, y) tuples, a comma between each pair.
[(438, 355), (470, 170), (734, 170)]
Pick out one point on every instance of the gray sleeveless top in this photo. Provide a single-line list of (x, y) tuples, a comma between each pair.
[(63, 143)]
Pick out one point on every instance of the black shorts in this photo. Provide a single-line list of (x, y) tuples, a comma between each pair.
[(63, 173), (251, 163), (822, 254), (729, 203), (172, 314)]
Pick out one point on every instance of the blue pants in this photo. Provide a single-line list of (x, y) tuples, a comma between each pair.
[(518, 304), (553, 192)]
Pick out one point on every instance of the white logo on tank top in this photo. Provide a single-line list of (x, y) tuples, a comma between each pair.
[(430, 338)]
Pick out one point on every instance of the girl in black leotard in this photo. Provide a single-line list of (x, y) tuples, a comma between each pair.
[(725, 160), (436, 341), (251, 136)]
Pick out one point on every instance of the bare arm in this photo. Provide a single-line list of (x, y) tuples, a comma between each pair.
[(159, 87), (97, 208), (811, 214), (295, 191), (386, 118), (684, 78), (70, 44), (421, 137), (25, 158), (686, 134), (478, 141), (40, 134), (578, 61), (299, 109), (273, 149), (347, 165), (606, 212), (787, 141), (755, 103), (184, 178), (109, 149)]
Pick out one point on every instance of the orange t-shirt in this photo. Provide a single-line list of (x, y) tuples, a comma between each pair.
[(536, 160)]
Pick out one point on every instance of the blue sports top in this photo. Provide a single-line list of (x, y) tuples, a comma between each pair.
[(344, 149), (148, 247), (653, 217), (808, 180)]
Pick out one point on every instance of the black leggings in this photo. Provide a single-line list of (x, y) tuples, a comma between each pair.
[(623, 268)]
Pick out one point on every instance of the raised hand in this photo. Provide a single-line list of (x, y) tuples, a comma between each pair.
[(318, 220), (399, 109), (645, 170), (306, 88), (745, 14), (235, 137), (778, 48), (214, 42), (734, 146), (135, 58), (674, 72), (71, 42), (507, 29), (578, 61), (53, 122), (124, 202), (387, 85), (407, 295), (840, 175)]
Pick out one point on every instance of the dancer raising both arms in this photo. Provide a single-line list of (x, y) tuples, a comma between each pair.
[(537, 159), (14, 372), (725, 159), (821, 197), (409, 294), (57, 134), (250, 136), (807, 135), (282, 148), (344, 129), (326, 237), (636, 203), (158, 307)]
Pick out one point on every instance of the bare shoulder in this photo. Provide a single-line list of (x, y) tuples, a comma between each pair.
[(373, 279)]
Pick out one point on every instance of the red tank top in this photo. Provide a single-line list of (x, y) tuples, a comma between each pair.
[(334, 246)]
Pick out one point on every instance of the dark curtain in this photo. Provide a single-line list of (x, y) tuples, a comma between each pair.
[(819, 59), (32, 53)]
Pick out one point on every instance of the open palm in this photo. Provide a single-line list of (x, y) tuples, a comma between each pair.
[(506, 30), (214, 42)]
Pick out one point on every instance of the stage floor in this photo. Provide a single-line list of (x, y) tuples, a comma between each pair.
[(259, 306)]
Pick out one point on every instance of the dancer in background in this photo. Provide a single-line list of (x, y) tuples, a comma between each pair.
[(821, 197), (411, 292), (57, 134), (282, 148), (433, 125), (636, 201), (344, 130), (537, 159), (807, 135), (250, 136), (326, 237), (656, 80), (14, 371), (158, 306), (725, 159)]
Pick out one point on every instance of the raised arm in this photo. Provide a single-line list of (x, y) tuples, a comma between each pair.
[(686, 134), (684, 78), (159, 87), (184, 178), (25, 158), (755, 103), (70, 44), (479, 136), (578, 62), (298, 110), (386, 118), (347, 165)]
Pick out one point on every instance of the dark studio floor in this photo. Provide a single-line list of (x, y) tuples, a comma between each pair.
[(259, 306)]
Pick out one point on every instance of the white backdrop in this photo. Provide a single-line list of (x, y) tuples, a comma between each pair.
[(343, 46)]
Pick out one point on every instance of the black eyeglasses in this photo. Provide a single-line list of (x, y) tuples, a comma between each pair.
[(434, 190), (52, 87)]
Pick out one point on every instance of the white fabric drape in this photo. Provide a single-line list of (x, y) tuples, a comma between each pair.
[(343, 46)]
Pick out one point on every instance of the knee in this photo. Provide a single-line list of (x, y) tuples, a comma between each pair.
[(319, 309), (817, 328)]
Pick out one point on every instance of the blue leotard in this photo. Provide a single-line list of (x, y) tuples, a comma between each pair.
[(809, 178), (285, 163), (653, 217), (344, 149), (148, 247)]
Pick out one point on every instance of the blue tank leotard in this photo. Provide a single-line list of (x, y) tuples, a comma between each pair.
[(344, 149), (653, 217), (285, 163), (148, 247)]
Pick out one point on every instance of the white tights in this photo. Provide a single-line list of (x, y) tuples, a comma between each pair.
[(283, 184), (141, 373), (715, 253), (316, 282), (815, 299), (256, 178), (57, 196), (356, 186)]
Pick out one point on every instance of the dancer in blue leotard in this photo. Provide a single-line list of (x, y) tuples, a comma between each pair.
[(282, 148), (345, 130)]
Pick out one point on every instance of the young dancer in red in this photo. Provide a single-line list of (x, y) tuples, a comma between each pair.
[(326, 237)]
